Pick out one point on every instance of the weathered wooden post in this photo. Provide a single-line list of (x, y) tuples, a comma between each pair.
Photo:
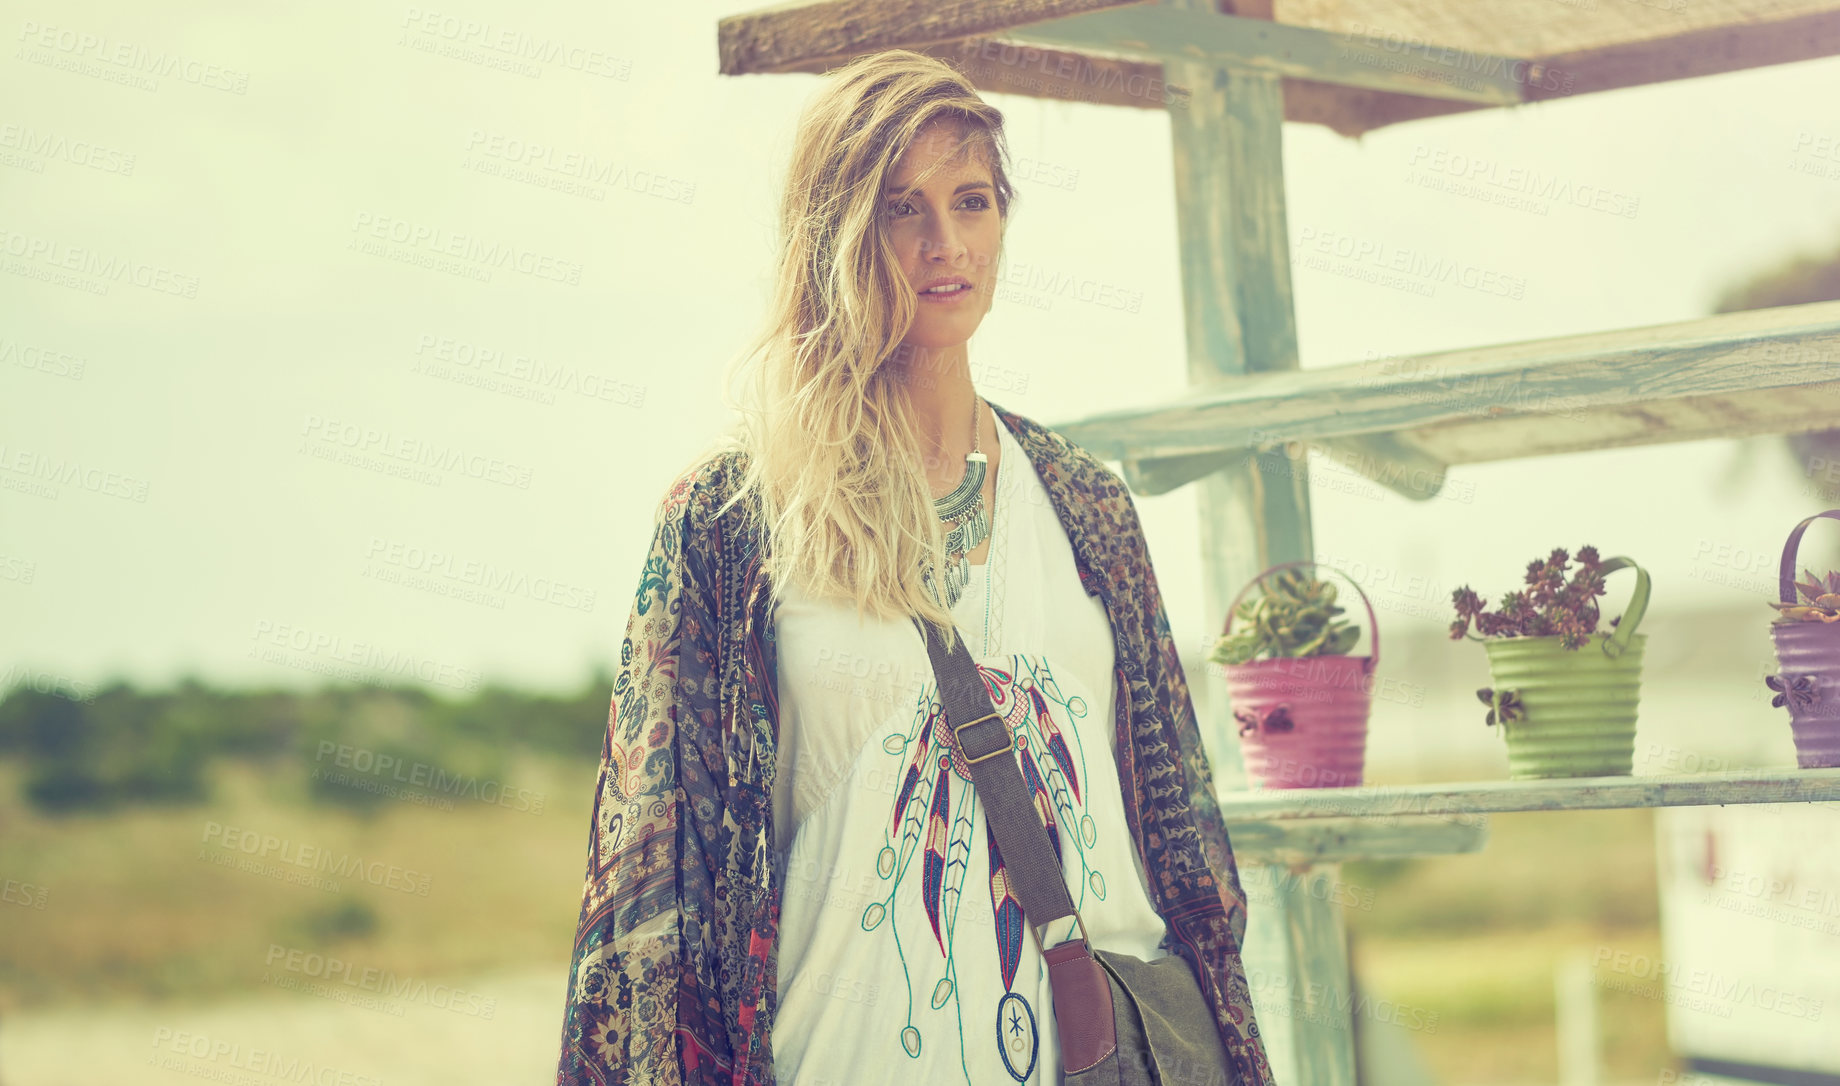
[(1255, 511)]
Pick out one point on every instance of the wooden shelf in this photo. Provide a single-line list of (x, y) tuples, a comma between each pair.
[(1335, 840), (1459, 802), (1250, 419), (1405, 419)]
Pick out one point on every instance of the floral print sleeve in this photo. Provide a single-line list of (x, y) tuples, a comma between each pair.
[(1181, 709), (1173, 704), (640, 957)]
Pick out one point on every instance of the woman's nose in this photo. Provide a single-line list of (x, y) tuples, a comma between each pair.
[(942, 241)]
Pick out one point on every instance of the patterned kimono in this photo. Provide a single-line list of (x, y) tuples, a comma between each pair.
[(673, 978)]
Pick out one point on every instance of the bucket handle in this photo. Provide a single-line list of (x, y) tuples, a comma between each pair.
[(1787, 585), (1632, 615), (1373, 623)]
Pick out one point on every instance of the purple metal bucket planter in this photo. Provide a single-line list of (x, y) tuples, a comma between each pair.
[(1808, 670), (1303, 720)]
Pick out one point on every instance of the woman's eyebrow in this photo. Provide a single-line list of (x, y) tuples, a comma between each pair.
[(967, 186)]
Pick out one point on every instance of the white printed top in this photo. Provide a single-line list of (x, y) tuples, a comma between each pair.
[(903, 954)]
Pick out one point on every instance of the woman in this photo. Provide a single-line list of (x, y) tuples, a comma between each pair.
[(788, 877)]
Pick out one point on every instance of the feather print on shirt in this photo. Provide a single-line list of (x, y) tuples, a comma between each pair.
[(1057, 743), (931, 830), (1008, 913), (914, 770), (933, 867)]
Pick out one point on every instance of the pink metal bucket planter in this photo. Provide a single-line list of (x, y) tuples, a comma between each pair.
[(1808, 676), (1303, 720)]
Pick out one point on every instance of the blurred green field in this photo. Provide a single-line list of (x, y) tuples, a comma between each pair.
[(133, 915), (132, 912), (1478, 938), (123, 830)]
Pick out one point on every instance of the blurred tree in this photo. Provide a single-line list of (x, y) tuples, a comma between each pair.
[(355, 745)]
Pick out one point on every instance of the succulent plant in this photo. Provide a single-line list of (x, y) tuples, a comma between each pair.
[(1293, 615), (1822, 598), (1551, 605)]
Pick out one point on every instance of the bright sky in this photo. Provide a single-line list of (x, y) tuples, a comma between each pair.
[(269, 317)]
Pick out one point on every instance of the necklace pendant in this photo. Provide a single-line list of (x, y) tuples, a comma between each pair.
[(968, 494), (958, 575), (964, 537), (964, 509)]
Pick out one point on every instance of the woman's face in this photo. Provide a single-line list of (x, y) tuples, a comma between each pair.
[(948, 234)]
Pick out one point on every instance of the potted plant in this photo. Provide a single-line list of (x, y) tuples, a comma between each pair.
[(1564, 692), (1807, 636), (1301, 701)]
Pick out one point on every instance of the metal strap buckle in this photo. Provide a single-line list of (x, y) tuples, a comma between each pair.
[(958, 733), (1084, 938)]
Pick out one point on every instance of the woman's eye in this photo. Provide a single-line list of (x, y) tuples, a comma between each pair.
[(982, 203)]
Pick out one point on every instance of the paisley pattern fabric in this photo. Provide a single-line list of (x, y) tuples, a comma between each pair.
[(672, 978)]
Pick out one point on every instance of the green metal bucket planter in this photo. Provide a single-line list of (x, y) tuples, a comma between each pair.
[(1808, 670), (1571, 712)]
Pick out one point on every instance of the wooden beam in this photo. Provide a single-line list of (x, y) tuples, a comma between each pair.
[(1162, 475), (832, 31), (816, 37), (1774, 370), (1042, 72), (1563, 794), (1352, 111), (1689, 56), (1159, 34), (1335, 840), (1397, 465), (998, 67)]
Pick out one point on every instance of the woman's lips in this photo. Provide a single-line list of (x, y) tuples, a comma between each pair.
[(947, 297)]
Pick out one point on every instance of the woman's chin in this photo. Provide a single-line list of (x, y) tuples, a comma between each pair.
[(938, 335)]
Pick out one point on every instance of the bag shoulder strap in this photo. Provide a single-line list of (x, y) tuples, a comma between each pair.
[(983, 738)]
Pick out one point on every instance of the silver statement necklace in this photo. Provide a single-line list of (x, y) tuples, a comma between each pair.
[(964, 512)]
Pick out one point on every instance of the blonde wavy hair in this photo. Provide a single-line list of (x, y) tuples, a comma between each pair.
[(833, 448)]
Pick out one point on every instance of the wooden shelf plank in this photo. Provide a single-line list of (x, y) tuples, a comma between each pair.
[(1559, 794), (1335, 840), (1758, 371)]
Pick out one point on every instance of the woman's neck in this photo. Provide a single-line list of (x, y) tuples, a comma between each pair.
[(942, 397)]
